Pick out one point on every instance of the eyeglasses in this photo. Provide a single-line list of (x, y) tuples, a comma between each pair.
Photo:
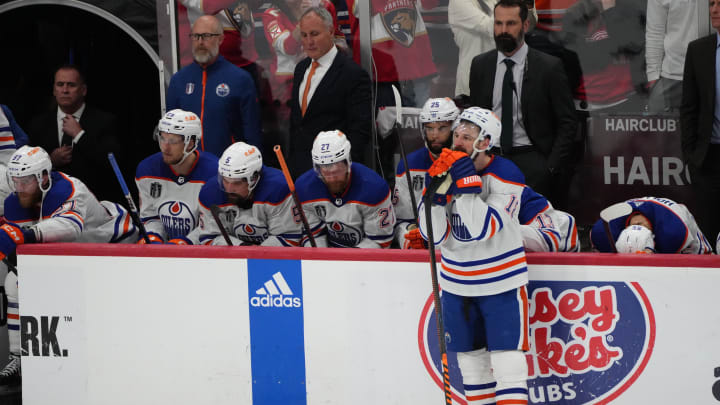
[(206, 36)]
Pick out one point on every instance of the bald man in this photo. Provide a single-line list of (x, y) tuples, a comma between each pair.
[(220, 93)]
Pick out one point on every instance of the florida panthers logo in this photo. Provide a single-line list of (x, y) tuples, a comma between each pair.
[(341, 235), (177, 218), (400, 24), (251, 233)]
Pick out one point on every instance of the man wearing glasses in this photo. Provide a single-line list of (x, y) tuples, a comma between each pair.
[(221, 94), (169, 181)]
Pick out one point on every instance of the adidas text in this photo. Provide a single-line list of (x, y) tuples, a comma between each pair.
[(270, 301)]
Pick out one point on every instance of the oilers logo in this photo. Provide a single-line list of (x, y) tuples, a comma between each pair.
[(590, 341), (251, 233), (222, 90), (458, 228), (177, 218), (341, 235)]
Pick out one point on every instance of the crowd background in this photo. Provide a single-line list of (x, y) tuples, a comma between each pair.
[(603, 44)]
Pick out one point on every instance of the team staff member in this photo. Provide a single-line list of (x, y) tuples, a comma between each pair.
[(220, 93), (529, 91), (483, 276), (169, 181)]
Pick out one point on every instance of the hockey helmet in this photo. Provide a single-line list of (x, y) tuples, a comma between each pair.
[(330, 147), (241, 161), (183, 123), (635, 239), (488, 124), (439, 109), (30, 161)]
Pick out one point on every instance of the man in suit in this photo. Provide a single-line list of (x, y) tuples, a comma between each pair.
[(329, 92), (699, 115), (78, 136), (534, 102)]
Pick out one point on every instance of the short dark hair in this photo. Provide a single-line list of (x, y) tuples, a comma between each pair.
[(69, 66), (515, 3)]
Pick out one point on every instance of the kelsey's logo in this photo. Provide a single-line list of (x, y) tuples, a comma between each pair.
[(275, 293), (590, 341)]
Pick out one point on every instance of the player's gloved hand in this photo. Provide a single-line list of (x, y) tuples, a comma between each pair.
[(443, 163), (154, 239), (11, 236), (414, 240), (465, 178), (180, 241)]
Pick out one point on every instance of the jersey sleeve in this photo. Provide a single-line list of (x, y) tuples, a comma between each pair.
[(284, 226), (149, 210), (696, 242), (378, 224), (65, 224)]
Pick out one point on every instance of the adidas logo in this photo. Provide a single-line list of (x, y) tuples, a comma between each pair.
[(275, 293)]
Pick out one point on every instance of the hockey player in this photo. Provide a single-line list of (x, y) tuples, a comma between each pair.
[(654, 225), (483, 277), (169, 181), (44, 207), (254, 201), (436, 118), (351, 201)]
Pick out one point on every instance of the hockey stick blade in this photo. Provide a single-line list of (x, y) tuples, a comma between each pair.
[(215, 211), (611, 213), (132, 209)]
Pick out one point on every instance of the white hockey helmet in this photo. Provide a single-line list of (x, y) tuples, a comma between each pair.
[(635, 239), (27, 161), (241, 161), (330, 147), (183, 123), (488, 123), (439, 109)]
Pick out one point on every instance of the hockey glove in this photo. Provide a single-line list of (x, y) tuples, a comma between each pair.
[(154, 239), (414, 240), (443, 163), (180, 241), (465, 178), (11, 236)]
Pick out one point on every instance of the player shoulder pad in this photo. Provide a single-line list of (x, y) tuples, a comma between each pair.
[(153, 166), (309, 187), (531, 204), (211, 194), (505, 169), (367, 186), (272, 188), (14, 212), (417, 160), (206, 167), (669, 229), (61, 191)]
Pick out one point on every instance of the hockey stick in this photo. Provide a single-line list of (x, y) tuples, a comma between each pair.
[(215, 211), (396, 129), (132, 209), (429, 194), (291, 186), (612, 213)]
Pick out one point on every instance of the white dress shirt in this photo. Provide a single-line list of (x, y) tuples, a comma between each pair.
[(324, 63), (77, 114), (520, 137)]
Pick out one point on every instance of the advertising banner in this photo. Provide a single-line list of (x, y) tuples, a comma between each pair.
[(328, 326)]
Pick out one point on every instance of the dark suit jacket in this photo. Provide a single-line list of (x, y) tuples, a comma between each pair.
[(698, 99), (547, 106), (341, 101), (90, 154)]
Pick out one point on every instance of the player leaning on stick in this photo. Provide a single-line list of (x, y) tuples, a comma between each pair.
[(437, 116), (169, 181), (47, 206), (483, 277), (254, 201)]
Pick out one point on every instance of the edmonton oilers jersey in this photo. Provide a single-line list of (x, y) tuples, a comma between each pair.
[(168, 201), (362, 216), (674, 227), (71, 213), (270, 221)]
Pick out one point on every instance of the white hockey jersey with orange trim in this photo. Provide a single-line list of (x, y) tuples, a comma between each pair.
[(71, 213), (361, 217)]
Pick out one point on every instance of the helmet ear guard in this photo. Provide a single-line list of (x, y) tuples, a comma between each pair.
[(241, 161)]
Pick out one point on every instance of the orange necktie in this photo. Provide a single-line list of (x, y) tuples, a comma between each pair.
[(307, 87)]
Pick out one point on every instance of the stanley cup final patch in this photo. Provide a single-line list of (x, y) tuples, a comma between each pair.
[(155, 190), (189, 88), (222, 90)]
